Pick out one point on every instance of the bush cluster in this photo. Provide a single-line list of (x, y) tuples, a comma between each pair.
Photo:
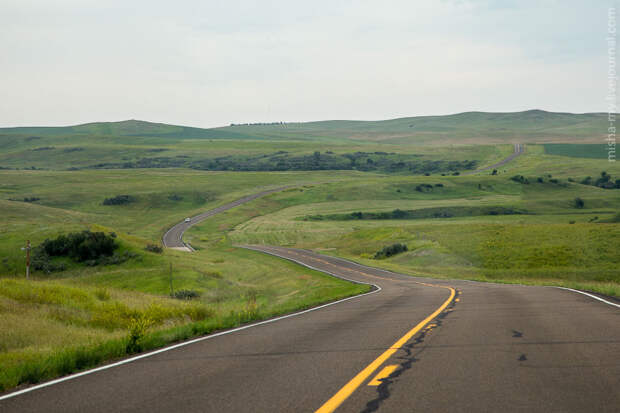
[(605, 181), (391, 250), (424, 188), (114, 259), (119, 200), (284, 161), (26, 199), (436, 212), (90, 248), (186, 294), (579, 203), (520, 179), (81, 246), (40, 261), (154, 248)]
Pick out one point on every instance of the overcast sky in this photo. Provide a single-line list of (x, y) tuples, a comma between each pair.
[(210, 63)]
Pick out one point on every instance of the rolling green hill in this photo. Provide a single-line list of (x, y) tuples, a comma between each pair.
[(481, 137), (532, 126), (124, 128), (468, 127)]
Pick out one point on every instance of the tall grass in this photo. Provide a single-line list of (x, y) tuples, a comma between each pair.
[(134, 329)]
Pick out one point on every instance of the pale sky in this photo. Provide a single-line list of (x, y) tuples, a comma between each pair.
[(210, 63)]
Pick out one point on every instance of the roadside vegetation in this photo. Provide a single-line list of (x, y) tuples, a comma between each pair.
[(390, 250), (437, 212), (101, 287)]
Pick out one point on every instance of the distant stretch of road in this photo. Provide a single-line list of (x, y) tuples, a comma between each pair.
[(410, 345), (518, 150), (173, 238)]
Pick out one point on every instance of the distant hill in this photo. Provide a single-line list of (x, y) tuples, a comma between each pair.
[(123, 128), (468, 127)]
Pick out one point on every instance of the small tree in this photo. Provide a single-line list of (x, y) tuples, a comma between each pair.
[(579, 203), (494, 172)]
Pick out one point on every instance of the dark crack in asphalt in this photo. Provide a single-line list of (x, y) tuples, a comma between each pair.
[(407, 359)]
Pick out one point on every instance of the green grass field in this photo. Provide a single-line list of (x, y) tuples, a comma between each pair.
[(595, 151), (57, 323)]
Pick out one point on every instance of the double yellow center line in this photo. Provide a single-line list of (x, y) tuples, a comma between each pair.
[(348, 389)]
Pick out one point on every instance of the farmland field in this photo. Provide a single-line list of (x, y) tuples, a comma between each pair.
[(596, 151)]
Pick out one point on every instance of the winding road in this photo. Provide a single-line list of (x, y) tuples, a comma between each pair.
[(408, 345), (173, 238)]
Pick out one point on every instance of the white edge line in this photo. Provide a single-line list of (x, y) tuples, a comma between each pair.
[(196, 340), (474, 281), (589, 295)]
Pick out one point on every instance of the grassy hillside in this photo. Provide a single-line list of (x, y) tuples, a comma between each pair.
[(467, 127), (128, 128), (552, 242), (472, 136)]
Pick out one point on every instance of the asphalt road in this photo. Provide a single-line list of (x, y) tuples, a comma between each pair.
[(453, 346), (173, 238), (518, 150)]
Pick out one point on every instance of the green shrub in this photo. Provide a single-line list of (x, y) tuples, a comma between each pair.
[(251, 307), (424, 188), (41, 261), (80, 246), (90, 248), (390, 250), (154, 248), (119, 200), (114, 259), (520, 179), (186, 294), (138, 327), (579, 203)]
